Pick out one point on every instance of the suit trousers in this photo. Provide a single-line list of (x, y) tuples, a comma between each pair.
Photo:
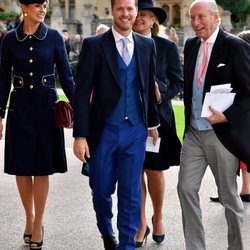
[(118, 159), (200, 149)]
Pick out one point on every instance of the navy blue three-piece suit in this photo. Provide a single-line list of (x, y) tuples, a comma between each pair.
[(115, 124)]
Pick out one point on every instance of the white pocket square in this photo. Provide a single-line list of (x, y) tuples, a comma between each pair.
[(221, 65)]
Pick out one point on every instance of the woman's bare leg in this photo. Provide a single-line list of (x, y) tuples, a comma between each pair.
[(156, 188), (143, 226), (40, 191), (25, 188)]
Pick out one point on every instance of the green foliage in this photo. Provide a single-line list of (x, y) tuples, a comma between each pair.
[(179, 120), (49, 13), (239, 9), (6, 15)]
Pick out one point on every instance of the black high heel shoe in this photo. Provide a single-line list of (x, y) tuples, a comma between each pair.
[(140, 243), (27, 238), (157, 238), (35, 244)]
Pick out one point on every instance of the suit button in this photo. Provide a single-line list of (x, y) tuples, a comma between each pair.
[(30, 60), (31, 73), (30, 37), (31, 48), (31, 86)]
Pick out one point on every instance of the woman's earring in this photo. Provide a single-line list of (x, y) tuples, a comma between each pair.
[(25, 14)]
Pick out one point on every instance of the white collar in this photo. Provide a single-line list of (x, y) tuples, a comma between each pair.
[(118, 36), (213, 37)]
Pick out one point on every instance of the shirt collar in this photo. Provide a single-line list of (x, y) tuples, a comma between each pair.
[(149, 35), (40, 34), (118, 36), (213, 37)]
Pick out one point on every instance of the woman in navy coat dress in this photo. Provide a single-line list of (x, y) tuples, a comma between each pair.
[(168, 84), (34, 146)]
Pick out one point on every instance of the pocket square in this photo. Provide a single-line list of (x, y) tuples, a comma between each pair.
[(221, 65)]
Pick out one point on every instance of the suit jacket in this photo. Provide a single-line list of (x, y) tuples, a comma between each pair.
[(235, 55), (169, 76), (98, 76)]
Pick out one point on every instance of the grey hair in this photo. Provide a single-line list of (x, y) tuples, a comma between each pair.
[(102, 26), (211, 3)]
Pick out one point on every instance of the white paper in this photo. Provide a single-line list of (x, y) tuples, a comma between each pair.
[(219, 101), (219, 98), (150, 147), (221, 88)]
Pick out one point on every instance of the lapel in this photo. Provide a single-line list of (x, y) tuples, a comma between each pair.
[(192, 53), (110, 52), (140, 50), (215, 59), (157, 44), (194, 58), (109, 49)]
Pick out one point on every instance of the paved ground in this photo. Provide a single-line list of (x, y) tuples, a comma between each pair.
[(70, 221)]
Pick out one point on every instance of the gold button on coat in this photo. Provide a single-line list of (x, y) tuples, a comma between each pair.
[(31, 73), (31, 86), (30, 60), (31, 48)]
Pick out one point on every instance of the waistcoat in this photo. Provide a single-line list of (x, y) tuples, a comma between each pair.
[(129, 105)]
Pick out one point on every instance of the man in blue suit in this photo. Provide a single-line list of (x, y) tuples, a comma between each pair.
[(113, 106)]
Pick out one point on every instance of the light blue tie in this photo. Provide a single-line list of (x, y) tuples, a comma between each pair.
[(125, 52)]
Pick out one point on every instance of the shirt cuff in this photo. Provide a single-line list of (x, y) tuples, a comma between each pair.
[(151, 128)]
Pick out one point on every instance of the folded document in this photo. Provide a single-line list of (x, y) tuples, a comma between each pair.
[(219, 97), (151, 147)]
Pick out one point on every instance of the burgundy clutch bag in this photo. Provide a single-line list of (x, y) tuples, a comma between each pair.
[(63, 114)]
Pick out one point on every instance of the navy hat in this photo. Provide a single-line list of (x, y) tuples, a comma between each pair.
[(26, 2), (149, 5)]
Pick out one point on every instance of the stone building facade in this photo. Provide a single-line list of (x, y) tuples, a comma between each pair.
[(9, 5), (101, 10), (82, 16)]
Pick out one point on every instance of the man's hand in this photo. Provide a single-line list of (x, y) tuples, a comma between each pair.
[(81, 149), (216, 117), (153, 133), (157, 94)]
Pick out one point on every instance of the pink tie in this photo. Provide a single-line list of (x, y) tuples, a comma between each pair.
[(203, 64)]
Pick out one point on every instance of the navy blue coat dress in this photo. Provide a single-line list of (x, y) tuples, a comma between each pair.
[(169, 77), (33, 144)]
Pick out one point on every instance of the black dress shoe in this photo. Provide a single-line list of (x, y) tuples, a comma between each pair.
[(37, 245), (144, 240), (110, 242), (245, 197), (27, 238), (157, 238), (215, 199)]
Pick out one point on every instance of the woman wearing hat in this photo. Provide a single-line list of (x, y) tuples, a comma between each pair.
[(169, 81), (34, 146)]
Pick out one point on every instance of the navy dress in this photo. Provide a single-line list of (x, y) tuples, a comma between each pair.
[(33, 144), (169, 77)]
